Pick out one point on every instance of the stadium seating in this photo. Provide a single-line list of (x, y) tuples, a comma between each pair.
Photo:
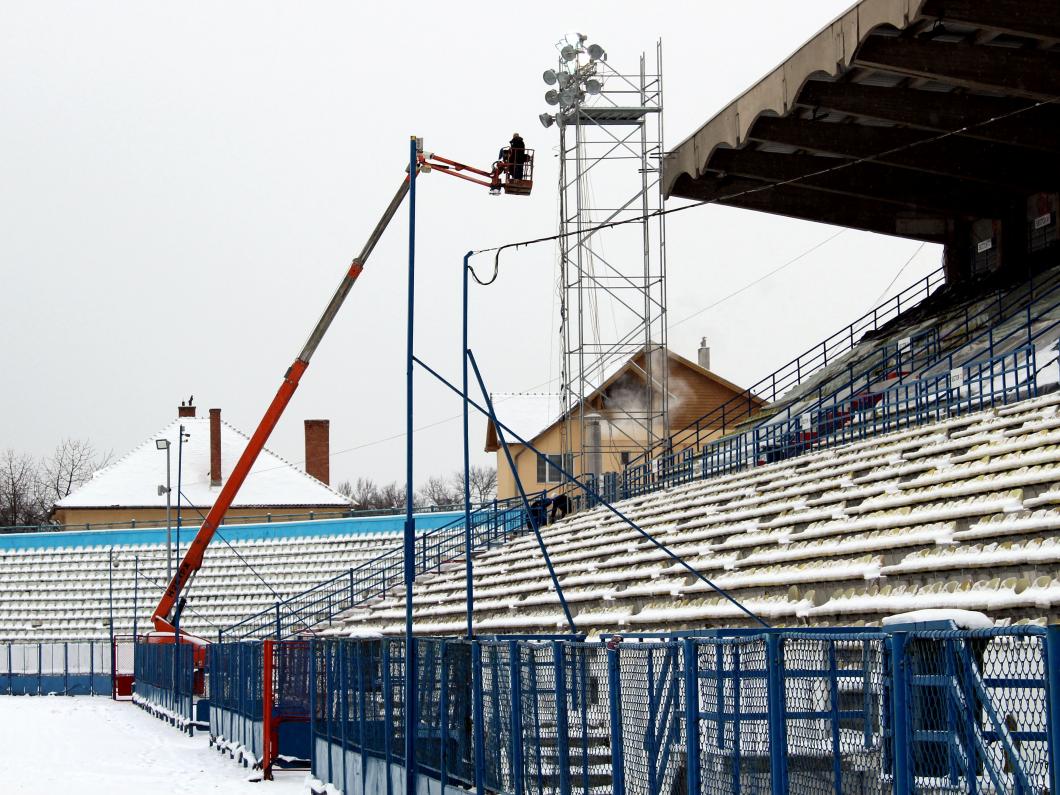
[(64, 593), (959, 513)]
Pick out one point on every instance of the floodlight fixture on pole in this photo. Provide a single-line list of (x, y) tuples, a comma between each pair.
[(163, 444), (547, 120)]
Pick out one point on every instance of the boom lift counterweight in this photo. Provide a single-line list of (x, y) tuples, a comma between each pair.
[(511, 173)]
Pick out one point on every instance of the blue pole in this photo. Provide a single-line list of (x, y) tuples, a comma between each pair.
[(900, 732), (470, 588), (1052, 691), (410, 526)]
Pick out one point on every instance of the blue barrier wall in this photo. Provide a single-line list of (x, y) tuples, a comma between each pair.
[(70, 669), (241, 532)]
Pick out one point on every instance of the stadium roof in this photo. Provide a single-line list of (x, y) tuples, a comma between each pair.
[(884, 81), (133, 480)]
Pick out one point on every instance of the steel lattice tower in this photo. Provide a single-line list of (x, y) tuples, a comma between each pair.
[(612, 282)]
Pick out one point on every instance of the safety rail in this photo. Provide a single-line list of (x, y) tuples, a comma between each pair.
[(790, 375), (301, 613), (743, 407), (898, 710), (58, 668), (819, 421)]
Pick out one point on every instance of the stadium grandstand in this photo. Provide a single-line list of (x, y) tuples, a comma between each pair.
[(845, 579)]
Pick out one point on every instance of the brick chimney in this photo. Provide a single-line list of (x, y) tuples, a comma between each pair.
[(318, 449), (185, 410), (215, 447)]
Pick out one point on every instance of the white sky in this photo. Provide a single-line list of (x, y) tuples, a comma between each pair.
[(182, 186)]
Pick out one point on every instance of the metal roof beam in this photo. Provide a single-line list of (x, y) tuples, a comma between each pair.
[(1033, 18), (1028, 73), (818, 206), (952, 156), (931, 110), (872, 181)]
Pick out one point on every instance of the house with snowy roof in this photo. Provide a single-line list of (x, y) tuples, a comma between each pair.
[(132, 489), (614, 435)]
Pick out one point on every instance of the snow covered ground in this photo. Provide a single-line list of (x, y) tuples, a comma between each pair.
[(96, 746)]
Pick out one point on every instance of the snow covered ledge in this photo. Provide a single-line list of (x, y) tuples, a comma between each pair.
[(962, 619)]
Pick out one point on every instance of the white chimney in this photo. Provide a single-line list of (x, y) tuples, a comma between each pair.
[(704, 354)]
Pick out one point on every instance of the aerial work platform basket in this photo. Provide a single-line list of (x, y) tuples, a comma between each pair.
[(516, 169)]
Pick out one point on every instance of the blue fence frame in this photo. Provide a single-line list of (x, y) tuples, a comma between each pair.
[(720, 712), (74, 668), (164, 681)]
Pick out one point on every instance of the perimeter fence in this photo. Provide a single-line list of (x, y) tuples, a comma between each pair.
[(74, 668), (722, 712)]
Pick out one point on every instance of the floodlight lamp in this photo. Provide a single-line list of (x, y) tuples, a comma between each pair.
[(550, 77), (547, 120), (593, 87), (568, 96), (568, 52), (565, 79), (162, 444), (552, 97), (596, 53)]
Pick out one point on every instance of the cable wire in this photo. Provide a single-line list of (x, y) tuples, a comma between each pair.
[(748, 191)]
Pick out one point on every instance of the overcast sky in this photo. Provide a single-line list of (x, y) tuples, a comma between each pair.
[(183, 184)]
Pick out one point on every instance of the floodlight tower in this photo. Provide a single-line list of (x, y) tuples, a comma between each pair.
[(612, 281)]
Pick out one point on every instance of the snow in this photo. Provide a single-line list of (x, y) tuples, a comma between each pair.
[(964, 619), (134, 478), (96, 746)]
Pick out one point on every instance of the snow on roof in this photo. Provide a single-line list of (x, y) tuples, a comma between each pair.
[(133, 480)]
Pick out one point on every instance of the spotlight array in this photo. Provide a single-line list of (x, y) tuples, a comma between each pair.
[(574, 79)]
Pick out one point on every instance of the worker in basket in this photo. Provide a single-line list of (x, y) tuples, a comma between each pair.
[(516, 155)]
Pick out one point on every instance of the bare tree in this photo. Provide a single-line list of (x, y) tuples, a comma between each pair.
[(71, 466), (483, 483), (363, 492), (438, 491), (391, 496), (22, 500)]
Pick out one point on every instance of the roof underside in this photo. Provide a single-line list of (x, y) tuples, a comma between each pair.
[(882, 78)]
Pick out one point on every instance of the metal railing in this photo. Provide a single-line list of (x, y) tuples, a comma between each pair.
[(879, 712), (373, 579), (998, 306)]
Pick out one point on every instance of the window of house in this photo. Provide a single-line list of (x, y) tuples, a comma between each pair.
[(548, 467)]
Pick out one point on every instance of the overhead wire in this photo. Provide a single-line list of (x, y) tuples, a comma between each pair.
[(497, 250)]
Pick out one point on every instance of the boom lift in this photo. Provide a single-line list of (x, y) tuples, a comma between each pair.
[(511, 173)]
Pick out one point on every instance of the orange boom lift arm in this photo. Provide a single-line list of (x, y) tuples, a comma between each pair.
[(508, 175)]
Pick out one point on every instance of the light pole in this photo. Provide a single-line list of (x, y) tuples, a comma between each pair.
[(180, 465), (163, 444)]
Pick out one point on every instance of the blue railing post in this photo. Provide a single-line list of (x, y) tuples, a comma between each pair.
[(66, 669), (516, 674), (614, 698), (1052, 690), (778, 741), (560, 673), (900, 733), (312, 707), (277, 619), (479, 738), (691, 672), (388, 711)]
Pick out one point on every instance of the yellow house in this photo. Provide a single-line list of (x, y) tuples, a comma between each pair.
[(694, 391)]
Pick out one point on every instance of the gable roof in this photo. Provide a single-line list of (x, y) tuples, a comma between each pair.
[(133, 480), (530, 414)]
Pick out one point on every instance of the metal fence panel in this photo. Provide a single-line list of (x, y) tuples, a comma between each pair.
[(978, 717), (834, 707)]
